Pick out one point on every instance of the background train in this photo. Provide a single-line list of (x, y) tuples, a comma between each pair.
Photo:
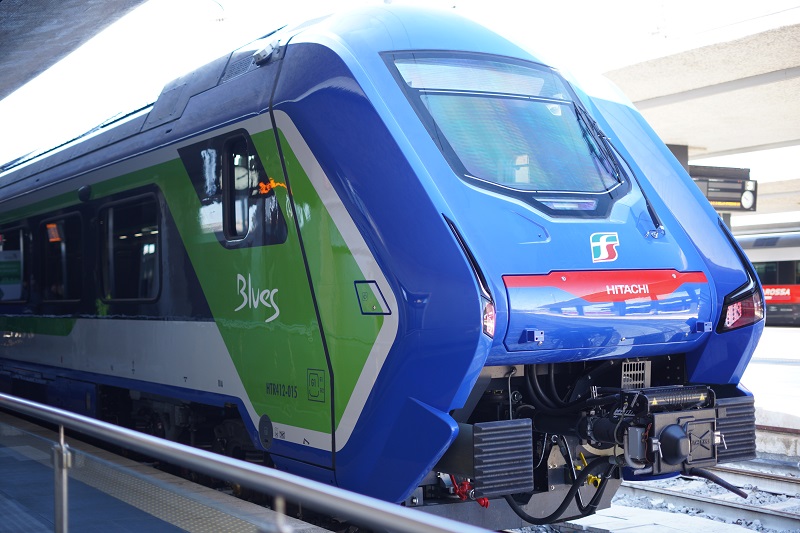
[(392, 251), (776, 258)]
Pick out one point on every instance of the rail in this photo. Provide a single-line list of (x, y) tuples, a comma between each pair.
[(774, 512), (361, 509)]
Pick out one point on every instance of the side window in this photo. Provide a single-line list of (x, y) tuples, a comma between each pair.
[(63, 259), (767, 272), (240, 180), (131, 264), (209, 188), (239, 201), (13, 269)]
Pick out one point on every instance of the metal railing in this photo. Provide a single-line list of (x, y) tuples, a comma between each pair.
[(360, 509)]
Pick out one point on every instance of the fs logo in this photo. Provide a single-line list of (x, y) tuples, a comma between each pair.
[(604, 247)]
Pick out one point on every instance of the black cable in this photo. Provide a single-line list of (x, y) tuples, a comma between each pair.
[(555, 515), (699, 472), (544, 405), (553, 392), (567, 454), (534, 398), (572, 408), (591, 508), (537, 389)]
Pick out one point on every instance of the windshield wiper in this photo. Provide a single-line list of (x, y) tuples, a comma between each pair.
[(590, 127), (597, 142)]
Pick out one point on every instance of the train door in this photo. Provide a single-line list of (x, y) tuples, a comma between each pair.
[(317, 109), (259, 292)]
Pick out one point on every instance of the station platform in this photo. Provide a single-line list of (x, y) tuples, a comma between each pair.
[(108, 492), (112, 493)]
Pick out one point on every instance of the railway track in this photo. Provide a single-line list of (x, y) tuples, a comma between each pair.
[(773, 501)]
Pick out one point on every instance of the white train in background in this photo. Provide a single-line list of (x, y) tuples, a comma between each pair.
[(776, 258)]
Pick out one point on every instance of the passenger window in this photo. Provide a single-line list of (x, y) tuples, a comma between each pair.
[(131, 263), (13, 270), (767, 272), (63, 259)]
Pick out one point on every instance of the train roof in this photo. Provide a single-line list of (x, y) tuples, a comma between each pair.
[(168, 107), (356, 35), (769, 240), (768, 247)]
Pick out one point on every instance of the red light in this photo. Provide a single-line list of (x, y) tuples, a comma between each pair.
[(488, 319), (744, 312), (734, 313)]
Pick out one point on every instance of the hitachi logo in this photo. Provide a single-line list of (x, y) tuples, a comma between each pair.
[(628, 289)]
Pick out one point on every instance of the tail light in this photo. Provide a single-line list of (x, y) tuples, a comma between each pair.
[(488, 318), (745, 305), (742, 312)]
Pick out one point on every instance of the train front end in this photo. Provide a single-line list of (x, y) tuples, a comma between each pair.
[(571, 310), (617, 341)]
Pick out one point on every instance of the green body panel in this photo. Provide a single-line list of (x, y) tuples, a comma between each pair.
[(281, 361), (274, 359), (57, 326), (350, 335), (50, 204)]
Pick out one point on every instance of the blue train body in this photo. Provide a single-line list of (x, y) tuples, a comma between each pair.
[(537, 276)]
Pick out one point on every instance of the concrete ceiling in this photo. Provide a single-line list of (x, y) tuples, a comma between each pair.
[(726, 98), (35, 34)]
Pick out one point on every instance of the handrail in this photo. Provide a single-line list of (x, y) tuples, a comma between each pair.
[(361, 509)]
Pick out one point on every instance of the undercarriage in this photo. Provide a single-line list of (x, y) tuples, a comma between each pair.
[(546, 443)]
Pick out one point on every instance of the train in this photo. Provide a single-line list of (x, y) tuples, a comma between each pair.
[(392, 251), (776, 259)]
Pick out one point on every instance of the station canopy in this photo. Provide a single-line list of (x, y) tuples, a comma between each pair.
[(721, 98), (36, 34)]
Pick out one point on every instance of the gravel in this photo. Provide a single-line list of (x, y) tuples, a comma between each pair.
[(709, 489), (778, 464)]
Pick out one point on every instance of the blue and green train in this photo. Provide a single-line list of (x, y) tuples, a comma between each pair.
[(391, 251)]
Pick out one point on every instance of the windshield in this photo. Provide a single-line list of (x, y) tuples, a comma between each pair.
[(510, 124)]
